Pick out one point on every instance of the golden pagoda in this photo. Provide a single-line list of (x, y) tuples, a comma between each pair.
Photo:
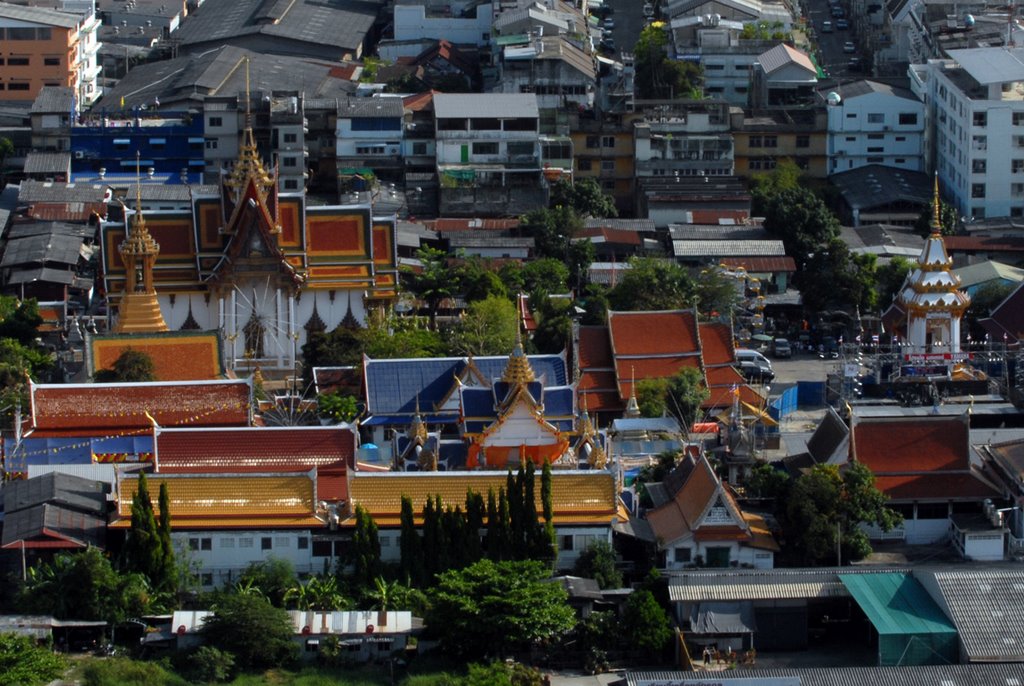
[(518, 370), (931, 296), (139, 310)]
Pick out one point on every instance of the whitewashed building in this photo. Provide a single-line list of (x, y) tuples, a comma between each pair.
[(874, 123)]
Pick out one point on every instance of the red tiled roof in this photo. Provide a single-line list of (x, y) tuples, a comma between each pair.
[(983, 243), (911, 446), (620, 236), (91, 408), (457, 224), (598, 381), (650, 334), (420, 101), (714, 216), (716, 344), (761, 265), (601, 401), (253, 449), (934, 486), (595, 347)]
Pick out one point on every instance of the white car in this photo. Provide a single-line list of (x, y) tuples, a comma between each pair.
[(848, 46), (608, 23)]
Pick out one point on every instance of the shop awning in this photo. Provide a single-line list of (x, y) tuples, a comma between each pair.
[(723, 618)]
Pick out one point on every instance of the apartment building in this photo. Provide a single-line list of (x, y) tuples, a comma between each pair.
[(45, 47), (874, 123)]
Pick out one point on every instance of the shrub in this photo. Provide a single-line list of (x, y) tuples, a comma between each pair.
[(205, 665), (23, 663), (125, 672)]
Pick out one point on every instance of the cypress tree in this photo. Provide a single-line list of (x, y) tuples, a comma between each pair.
[(474, 526), (455, 535), (504, 528), (430, 540), (169, 580), (493, 526), (547, 546), (444, 544), (365, 549), (143, 551), (410, 546)]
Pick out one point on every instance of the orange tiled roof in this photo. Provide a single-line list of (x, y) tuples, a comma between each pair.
[(649, 334), (225, 498), (177, 356), (583, 497), (911, 446), (716, 344), (91, 408), (595, 347), (947, 486), (761, 265), (253, 449), (676, 518)]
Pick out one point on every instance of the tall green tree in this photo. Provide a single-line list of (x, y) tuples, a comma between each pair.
[(597, 562), (433, 282), (411, 547), (488, 328), (645, 626), (584, 196), (258, 634), (889, 278), (143, 550), (270, 579), (658, 76), (476, 512), (546, 546), (489, 608), (168, 573), (826, 504), (365, 549), (652, 284), (552, 230)]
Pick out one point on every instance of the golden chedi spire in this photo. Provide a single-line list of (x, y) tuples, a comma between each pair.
[(139, 310), (249, 165), (518, 369)]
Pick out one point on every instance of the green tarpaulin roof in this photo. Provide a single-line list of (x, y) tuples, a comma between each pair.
[(896, 604)]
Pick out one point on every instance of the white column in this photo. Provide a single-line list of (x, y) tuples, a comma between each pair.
[(292, 328), (280, 331), (234, 326)]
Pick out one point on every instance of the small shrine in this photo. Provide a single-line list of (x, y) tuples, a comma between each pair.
[(140, 309)]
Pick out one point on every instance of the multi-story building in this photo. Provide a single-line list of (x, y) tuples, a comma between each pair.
[(603, 146), (874, 123), (976, 118), (765, 137), (418, 19), (369, 135), (45, 47), (488, 154), (557, 69), (683, 138)]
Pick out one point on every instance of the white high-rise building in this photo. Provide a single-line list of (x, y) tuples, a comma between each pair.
[(976, 108)]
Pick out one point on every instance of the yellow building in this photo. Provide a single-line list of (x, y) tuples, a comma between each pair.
[(763, 138), (603, 147), (45, 47)]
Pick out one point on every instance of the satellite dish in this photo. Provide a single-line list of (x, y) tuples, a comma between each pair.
[(834, 98), (969, 21)]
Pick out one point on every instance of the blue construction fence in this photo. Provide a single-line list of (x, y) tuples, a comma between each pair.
[(801, 394)]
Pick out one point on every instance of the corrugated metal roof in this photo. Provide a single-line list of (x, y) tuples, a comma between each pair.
[(897, 604), (760, 248), (932, 675), (54, 99), (991, 65), (987, 608), (39, 15), (760, 584), (37, 162)]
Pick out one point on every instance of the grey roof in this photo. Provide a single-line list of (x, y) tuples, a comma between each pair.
[(782, 55), (866, 86), (578, 587), (876, 185), (191, 78), (989, 270), (37, 162), (882, 239), (47, 275), (493, 105), (763, 584), (46, 191), (638, 225), (357, 108), (70, 491), (991, 65), (40, 15), (54, 99), (466, 239), (725, 232), (80, 527), (718, 248), (660, 424), (829, 436), (337, 23), (930, 675), (35, 250), (987, 608), (27, 229)]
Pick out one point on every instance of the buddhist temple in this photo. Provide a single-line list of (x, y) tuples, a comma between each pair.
[(266, 268), (930, 297)]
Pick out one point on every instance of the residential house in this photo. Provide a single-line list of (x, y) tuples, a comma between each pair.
[(745, 245), (562, 72), (49, 47), (989, 273), (697, 521), (765, 137), (783, 76), (926, 467), (744, 11), (875, 123), (51, 116), (302, 28), (1006, 461), (602, 145), (47, 260), (465, 24), (369, 135), (726, 57), (489, 154), (972, 249), (977, 116)]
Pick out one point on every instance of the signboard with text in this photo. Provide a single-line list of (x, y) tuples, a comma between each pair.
[(935, 358)]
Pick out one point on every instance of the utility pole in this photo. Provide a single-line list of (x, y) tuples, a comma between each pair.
[(839, 544)]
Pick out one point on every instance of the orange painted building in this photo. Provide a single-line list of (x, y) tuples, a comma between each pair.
[(45, 47)]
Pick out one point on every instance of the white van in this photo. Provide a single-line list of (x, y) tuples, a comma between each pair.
[(747, 355)]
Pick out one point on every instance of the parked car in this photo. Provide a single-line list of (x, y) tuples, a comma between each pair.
[(756, 373), (848, 46), (648, 10), (855, 64), (842, 24), (826, 26), (608, 23), (607, 44), (781, 348), (829, 347), (838, 12)]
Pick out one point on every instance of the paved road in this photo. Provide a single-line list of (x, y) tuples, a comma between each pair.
[(830, 45), (629, 21)]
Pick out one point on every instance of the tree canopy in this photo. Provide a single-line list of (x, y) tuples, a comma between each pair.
[(488, 328), (23, 663), (826, 503), (255, 632), (597, 562), (584, 196), (130, 366), (652, 284), (490, 608), (680, 395), (657, 75)]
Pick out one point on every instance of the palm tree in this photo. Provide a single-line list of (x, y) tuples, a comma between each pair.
[(318, 593)]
